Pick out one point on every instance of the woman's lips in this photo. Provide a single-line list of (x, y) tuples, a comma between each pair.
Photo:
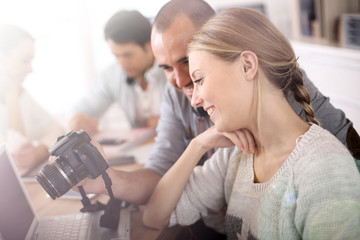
[(210, 111)]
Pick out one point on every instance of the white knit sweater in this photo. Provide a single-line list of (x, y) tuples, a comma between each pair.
[(314, 195)]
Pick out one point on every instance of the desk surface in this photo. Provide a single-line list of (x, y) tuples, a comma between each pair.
[(45, 206)]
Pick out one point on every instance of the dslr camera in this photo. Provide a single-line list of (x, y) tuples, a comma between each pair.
[(76, 158)]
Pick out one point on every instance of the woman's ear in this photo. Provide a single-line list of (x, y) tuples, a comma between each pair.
[(249, 64)]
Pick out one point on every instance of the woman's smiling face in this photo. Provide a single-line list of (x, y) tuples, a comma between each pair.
[(221, 89)]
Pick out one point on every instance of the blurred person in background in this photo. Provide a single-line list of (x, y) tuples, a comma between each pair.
[(25, 127), (134, 82)]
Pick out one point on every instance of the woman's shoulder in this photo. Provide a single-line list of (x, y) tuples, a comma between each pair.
[(320, 151), (318, 140)]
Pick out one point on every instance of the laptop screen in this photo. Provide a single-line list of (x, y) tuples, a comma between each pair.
[(15, 210)]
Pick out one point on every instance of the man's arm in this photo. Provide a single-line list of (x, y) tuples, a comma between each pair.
[(134, 187)]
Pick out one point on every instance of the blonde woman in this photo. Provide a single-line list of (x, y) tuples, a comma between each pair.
[(25, 127), (301, 183)]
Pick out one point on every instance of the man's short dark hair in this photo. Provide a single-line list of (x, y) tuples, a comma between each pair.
[(128, 26), (198, 11)]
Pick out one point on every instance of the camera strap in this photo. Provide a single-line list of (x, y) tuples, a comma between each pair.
[(88, 206), (110, 218), (108, 183)]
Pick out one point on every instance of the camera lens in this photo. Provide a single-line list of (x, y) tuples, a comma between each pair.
[(57, 178)]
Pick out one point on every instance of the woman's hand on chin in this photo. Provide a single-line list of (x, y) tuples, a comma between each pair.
[(241, 138)]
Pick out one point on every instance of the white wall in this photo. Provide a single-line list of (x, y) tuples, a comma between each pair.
[(59, 67), (276, 10), (336, 72)]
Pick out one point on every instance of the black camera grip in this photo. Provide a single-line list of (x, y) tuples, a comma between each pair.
[(111, 217), (91, 159)]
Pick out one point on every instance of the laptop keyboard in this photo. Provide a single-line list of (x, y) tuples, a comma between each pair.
[(74, 226)]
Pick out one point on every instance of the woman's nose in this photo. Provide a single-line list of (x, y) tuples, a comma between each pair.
[(196, 100)]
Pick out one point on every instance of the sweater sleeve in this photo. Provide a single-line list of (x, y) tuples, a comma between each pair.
[(204, 192), (328, 209)]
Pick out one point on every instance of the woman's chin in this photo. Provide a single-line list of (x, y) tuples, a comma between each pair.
[(220, 127)]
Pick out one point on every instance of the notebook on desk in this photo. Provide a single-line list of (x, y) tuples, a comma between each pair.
[(116, 143), (19, 221)]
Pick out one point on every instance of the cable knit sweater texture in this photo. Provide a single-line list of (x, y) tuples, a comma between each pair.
[(314, 195)]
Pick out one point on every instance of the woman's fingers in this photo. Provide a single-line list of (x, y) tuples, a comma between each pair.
[(243, 140)]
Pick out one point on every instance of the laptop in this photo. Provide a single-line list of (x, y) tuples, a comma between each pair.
[(19, 221)]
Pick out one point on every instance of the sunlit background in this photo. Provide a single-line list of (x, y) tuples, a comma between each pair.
[(71, 50), (70, 46)]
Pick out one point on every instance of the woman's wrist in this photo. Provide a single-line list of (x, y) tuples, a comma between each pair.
[(197, 147)]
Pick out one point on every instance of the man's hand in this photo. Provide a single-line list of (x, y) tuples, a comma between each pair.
[(241, 138), (84, 122), (97, 185)]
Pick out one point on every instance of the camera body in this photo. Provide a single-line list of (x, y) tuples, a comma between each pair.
[(76, 158)]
